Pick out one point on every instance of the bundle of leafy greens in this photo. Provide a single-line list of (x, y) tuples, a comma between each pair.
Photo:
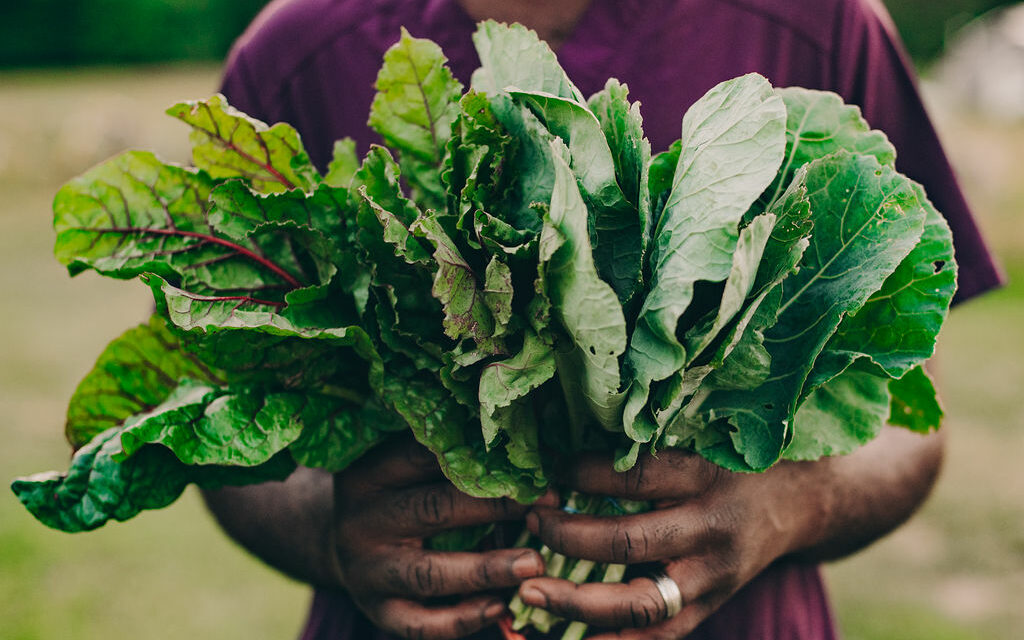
[(513, 277)]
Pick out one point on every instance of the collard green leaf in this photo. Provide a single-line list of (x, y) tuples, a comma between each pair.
[(616, 224), (513, 56), (585, 306), (623, 129), (660, 175), (867, 219), (99, 488), (915, 404), (732, 144), (819, 123), (735, 309), (840, 416), (135, 373), (226, 143), (738, 285), (530, 164), (898, 326)]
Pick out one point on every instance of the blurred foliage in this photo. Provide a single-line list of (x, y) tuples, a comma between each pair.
[(78, 32), (925, 25)]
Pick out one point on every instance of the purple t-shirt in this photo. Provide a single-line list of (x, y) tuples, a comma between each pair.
[(313, 63)]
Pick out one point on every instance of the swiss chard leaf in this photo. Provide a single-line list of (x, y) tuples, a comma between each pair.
[(226, 143), (451, 431), (205, 425), (252, 342), (135, 214), (457, 287), (344, 164), (135, 373), (335, 434), (416, 104), (99, 487)]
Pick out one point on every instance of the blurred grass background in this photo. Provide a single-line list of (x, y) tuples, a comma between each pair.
[(955, 572)]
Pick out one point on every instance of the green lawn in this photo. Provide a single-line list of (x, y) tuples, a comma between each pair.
[(955, 572)]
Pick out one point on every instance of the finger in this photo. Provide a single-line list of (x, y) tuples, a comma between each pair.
[(671, 475), (597, 603), (643, 537), (412, 620), (413, 573), (676, 627), (638, 603), (426, 510)]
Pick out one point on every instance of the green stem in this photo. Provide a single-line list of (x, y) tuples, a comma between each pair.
[(612, 573), (575, 631)]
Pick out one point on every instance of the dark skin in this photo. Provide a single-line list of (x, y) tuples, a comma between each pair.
[(363, 530), (713, 530)]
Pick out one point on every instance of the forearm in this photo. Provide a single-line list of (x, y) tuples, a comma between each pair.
[(285, 524), (851, 501)]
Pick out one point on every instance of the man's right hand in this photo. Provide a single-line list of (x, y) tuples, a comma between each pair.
[(385, 506)]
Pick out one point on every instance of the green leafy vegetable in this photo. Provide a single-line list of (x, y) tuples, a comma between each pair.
[(513, 278)]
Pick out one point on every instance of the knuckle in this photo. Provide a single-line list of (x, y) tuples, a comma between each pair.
[(647, 610), (630, 544), (424, 578), (636, 481), (433, 507)]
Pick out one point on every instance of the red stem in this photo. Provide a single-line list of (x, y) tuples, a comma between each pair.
[(271, 303), (505, 624), (287, 277)]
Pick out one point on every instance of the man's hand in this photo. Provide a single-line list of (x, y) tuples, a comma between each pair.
[(713, 531), (385, 506)]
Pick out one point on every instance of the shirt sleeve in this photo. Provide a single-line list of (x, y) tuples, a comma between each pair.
[(872, 70)]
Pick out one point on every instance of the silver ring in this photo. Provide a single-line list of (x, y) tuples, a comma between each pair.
[(669, 591)]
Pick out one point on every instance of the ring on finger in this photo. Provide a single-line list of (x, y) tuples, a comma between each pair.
[(670, 593)]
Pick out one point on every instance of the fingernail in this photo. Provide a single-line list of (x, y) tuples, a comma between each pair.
[(528, 565), (533, 523), (494, 610), (532, 596)]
